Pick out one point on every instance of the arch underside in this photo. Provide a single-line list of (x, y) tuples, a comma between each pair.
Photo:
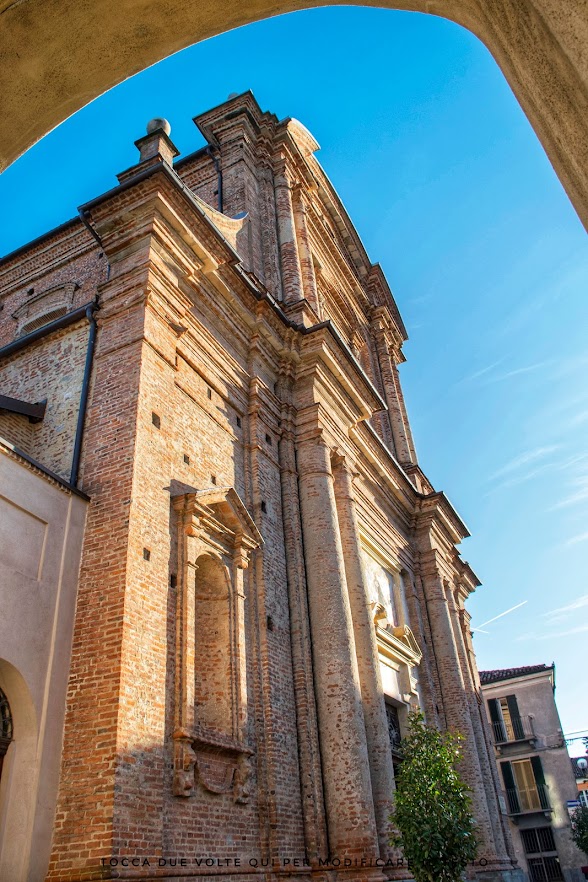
[(57, 55)]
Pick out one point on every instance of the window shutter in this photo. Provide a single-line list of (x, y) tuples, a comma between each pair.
[(498, 730), (510, 787), (540, 781), (515, 717), (493, 708)]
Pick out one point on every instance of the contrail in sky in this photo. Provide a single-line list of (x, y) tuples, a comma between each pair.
[(505, 613)]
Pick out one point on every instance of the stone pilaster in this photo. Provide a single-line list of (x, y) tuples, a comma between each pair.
[(269, 235), (292, 285), (372, 696), (387, 359), (346, 769), (306, 714), (304, 252)]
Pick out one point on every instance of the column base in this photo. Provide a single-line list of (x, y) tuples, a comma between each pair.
[(497, 875)]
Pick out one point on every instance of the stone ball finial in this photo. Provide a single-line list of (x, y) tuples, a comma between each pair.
[(233, 95), (158, 123)]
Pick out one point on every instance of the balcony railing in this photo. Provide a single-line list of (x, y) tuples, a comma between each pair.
[(531, 799), (515, 729)]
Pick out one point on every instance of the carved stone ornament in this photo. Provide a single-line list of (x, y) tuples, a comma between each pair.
[(184, 764)]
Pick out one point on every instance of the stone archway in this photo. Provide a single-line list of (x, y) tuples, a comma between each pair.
[(18, 785), (57, 55)]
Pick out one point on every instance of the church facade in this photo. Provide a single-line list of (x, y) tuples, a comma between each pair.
[(268, 583)]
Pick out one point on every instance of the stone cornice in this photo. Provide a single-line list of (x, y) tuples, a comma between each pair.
[(333, 371), (435, 507)]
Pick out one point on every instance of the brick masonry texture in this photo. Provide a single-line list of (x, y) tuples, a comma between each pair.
[(246, 442)]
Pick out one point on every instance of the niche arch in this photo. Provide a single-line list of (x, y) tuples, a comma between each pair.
[(216, 536)]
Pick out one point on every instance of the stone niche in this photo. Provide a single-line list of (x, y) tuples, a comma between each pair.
[(398, 651), (216, 536)]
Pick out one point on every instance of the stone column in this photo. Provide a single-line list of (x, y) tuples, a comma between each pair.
[(305, 254), (455, 703), (348, 793), (374, 711), (407, 440), (238, 637), (426, 681), (292, 288), (269, 233), (485, 750), (401, 433)]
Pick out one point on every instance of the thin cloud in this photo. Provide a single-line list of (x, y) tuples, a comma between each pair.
[(570, 632), (562, 611), (575, 540), (517, 371), (575, 498), (524, 459), (578, 419)]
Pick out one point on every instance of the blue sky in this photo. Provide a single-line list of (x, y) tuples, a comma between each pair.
[(452, 193)]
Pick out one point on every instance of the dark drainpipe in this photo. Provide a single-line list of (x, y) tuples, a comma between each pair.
[(75, 465)]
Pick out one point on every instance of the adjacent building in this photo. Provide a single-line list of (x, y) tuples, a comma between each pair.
[(534, 768), (269, 582), (580, 773)]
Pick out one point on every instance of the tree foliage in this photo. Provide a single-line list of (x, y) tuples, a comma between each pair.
[(579, 824), (432, 806)]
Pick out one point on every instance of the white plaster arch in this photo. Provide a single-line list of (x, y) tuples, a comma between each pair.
[(19, 778), (56, 56)]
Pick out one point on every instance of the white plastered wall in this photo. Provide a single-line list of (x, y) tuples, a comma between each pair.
[(41, 532)]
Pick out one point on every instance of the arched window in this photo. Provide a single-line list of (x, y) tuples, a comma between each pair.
[(5, 727)]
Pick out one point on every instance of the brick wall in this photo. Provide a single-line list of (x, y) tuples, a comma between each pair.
[(202, 382), (52, 369)]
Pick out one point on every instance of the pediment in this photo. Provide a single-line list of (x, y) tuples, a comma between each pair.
[(221, 507), (405, 635), (399, 644)]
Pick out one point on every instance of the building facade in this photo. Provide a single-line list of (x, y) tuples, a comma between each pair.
[(269, 583), (580, 773), (535, 769)]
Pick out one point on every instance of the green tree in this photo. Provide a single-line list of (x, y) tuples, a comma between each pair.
[(579, 824), (432, 806)]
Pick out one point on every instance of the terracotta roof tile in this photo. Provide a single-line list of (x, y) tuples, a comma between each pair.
[(508, 673)]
